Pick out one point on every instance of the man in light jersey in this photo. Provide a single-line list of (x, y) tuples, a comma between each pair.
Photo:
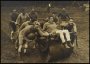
[(22, 17)]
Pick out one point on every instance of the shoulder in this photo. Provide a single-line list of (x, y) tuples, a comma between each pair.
[(74, 23), (29, 26), (20, 14), (46, 23)]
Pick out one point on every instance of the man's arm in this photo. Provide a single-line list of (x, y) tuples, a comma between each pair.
[(75, 28), (26, 32), (67, 16), (27, 39), (44, 26), (18, 19), (22, 26)]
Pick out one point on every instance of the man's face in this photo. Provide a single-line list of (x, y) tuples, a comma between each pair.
[(33, 9), (54, 15), (51, 19)]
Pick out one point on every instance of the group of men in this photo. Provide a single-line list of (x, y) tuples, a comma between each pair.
[(27, 25)]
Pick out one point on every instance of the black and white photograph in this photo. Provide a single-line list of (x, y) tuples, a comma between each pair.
[(45, 31)]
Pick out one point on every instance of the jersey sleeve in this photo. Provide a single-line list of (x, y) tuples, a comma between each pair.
[(18, 19)]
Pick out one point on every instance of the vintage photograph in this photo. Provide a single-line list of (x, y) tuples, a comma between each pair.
[(45, 31)]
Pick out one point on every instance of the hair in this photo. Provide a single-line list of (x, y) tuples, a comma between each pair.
[(50, 17)]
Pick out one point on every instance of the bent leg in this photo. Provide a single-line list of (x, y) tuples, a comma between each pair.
[(61, 35), (62, 38), (20, 43), (67, 34)]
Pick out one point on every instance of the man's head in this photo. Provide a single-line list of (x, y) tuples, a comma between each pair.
[(54, 15), (33, 9), (63, 9), (14, 10), (36, 24), (51, 19), (71, 20)]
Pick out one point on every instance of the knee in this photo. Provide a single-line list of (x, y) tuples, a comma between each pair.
[(20, 46), (26, 46), (66, 31)]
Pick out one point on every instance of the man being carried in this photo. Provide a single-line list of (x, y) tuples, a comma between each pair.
[(50, 27)]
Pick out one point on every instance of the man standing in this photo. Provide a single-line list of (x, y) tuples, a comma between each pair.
[(33, 15), (63, 15), (14, 16), (56, 19), (72, 29), (22, 17)]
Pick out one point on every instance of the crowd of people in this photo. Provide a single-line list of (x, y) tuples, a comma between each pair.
[(26, 25)]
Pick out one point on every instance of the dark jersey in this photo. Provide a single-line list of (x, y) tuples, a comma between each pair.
[(33, 16), (63, 15), (13, 19), (70, 27)]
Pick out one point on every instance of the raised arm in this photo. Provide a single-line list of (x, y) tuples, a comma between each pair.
[(18, 19)]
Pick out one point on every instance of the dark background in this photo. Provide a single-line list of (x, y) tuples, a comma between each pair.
[(38, 3)]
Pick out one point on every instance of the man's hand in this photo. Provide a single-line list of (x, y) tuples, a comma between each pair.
[(75, 33), (27, 39)]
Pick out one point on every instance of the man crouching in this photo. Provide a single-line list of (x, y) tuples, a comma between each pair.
[(24, 34)]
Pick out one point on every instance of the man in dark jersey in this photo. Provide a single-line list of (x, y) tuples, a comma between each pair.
[(33, 15), (72, 28), (13, 16), (63, 15)]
